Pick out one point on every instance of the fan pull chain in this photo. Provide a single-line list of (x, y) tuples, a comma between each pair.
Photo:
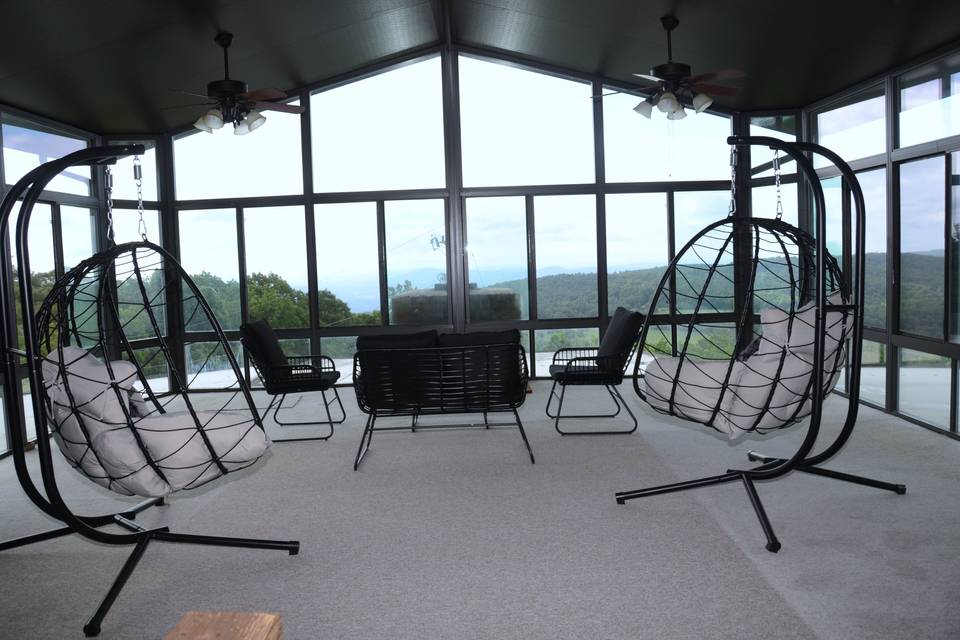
[(776, 181), (108, 190), (138, 179), (733, 181)]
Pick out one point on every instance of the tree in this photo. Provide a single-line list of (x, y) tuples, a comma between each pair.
[(271, 298)]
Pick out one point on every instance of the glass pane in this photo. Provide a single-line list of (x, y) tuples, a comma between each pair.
[(497, 258), (763, 202), (348, 264), (78, 229), (340, 349), (523, 127), (637, 244), (694, 210), (42, 272), (208, 365), (382, 132), (416, 261), (208, 253), (930, 102), (873, 373), (921, 247), (854, 130), (4, 445), (833, 197), (955, 246), (276, 256), (566, 251), (124, 185), (782, 127), (126, 225), (874, 186), (25, 149), (549, 341), (925, 387), (266, 162), (154, 367), (637, 149)]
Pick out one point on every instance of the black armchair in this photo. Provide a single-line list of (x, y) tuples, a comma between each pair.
[(604, 365), (295, 374)]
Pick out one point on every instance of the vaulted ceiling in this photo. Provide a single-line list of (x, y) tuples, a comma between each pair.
[(115, 65)]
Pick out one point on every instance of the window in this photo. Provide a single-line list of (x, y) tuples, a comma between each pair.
[(874, 186), (382, 132), (340, 349), (955, 245), (548, 341), (42, 269), (78, 230), (497, 258), (854, 130), (522, 127), (694, 210), (763, 203), (126, 225), (925, 387), (208, 253), (566, 252), (637, 245), (782, 127), (26, 148), (416, 261), (873, 373), (637, 149), (265, 162), (276, 257), (348, 264), (930, 102), (833, 197), (124, 185), (208, 365), (921, 246)]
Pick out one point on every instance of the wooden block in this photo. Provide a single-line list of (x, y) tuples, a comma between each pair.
[(225, 625)]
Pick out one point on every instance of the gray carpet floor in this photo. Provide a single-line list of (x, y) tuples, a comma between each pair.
[(454, 534)]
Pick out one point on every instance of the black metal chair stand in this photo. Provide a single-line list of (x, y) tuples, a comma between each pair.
[(813, 276), (282, 374), (601, 366), (82, 312)]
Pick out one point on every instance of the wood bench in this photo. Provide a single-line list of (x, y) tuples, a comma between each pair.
[(227, 625)]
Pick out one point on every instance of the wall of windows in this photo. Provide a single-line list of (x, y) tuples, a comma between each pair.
[(900, 135)]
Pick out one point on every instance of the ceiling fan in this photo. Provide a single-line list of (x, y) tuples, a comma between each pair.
[(232, 102), (675, 85)]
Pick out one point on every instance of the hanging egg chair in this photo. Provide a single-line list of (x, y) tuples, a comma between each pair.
[(761, 323), (106, 384)]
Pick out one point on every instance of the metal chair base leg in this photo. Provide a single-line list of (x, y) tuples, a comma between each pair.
[(899, 489), (618, 402), (329, 421)]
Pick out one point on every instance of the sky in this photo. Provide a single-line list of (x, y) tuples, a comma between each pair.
[(517, 127)]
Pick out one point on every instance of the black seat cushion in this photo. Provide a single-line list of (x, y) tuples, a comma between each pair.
[(578, 374), (301, 382), (619, 338), (262, 343), (510, 336), (420, 340)]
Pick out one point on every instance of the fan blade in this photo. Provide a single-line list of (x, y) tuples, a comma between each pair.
[(721, 75), (190, 93), (649, 78), (263, 94), (185, 106), (714, 89), (604, 95), (278, 106)]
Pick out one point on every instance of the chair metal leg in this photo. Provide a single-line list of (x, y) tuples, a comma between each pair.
[(773, 545), (92, 628), (523, 434), (365, 440), (618, 402), (329, 421), (899, 489)]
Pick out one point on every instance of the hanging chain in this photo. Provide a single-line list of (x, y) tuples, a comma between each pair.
[(138, 179), (776, 181), (108, 190), (733, 181)]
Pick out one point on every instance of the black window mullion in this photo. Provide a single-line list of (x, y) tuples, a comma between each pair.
[(382, 256)]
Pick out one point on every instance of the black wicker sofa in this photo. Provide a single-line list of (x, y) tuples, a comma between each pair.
[(425, 373)]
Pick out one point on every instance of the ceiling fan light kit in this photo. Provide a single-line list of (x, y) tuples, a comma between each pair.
[(675, 85), (235, 104)]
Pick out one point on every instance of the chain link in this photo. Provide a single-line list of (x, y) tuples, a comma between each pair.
[(776, 181), (733, 181), (138, 179), (108, 191)]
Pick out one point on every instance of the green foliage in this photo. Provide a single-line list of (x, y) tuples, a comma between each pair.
[(271, 298)]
